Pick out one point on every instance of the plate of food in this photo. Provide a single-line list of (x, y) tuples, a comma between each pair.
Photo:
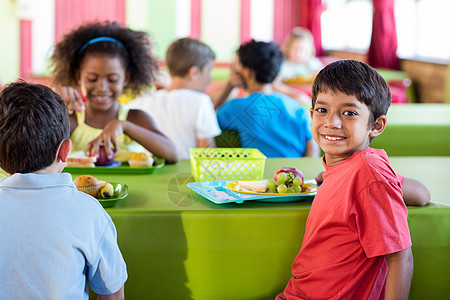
[(299, 80), (138, 163), (107, 193), (226, 191)]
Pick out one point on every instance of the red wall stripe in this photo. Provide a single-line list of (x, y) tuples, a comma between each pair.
[(70, 14), (245, 20), (25, 49), (196, 19), (286, 16)]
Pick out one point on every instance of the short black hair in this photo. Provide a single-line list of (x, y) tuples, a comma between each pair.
[(185, 53), (353, 77), (33, 123), (263, 58)]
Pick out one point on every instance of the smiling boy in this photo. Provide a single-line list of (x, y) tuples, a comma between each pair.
[(357, 243)]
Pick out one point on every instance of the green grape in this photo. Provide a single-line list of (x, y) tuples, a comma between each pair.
[(282, 189), (271, 184), (281, 178), (297, 189), (271, 191), (297, 181), (290, 190)]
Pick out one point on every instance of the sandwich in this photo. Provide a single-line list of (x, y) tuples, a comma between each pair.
[(258, 186), (80, 159)]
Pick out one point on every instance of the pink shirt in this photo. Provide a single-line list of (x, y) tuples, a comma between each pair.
[(357, 217)]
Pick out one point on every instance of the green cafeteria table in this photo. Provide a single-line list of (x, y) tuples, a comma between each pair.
[(416, 130), (178, 245)]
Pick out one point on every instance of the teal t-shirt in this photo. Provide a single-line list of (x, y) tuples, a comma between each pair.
[(274, 123)]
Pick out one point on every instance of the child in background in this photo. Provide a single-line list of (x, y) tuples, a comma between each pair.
[(357, 243), (300, 56), (269, 121), (104, 60), (54, 239), (300, 64), (183, 112)]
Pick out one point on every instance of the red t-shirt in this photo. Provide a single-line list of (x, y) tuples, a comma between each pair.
[(357, 217)]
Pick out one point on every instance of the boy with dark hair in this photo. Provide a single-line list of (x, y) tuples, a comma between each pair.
[(183, 112), (269, 121), (54, 239), (357, 243)]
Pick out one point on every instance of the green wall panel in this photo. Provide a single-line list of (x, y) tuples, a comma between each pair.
[(9, 52), (155, 17)]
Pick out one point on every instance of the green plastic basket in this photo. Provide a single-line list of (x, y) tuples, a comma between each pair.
[(227, 164)]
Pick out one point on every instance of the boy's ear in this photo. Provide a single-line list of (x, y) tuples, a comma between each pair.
[(378, 127), (193, 72), (63, 151), (247, 73), (311, 112)]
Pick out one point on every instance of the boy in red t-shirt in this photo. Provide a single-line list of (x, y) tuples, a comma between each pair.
[(357, 243)]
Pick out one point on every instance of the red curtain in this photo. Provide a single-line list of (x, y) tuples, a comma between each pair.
[(315, 9), (383, 45)]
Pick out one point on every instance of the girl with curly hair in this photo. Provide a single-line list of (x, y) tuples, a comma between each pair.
[(103, 60)]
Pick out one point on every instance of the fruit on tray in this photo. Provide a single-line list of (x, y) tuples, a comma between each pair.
[(106, 190), (103, 159), (286, 180)]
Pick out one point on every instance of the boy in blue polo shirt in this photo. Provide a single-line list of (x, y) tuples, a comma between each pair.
[(54, 240)]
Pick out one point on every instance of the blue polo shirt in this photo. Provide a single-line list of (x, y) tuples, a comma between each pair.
[(54, 240), (274, 123)]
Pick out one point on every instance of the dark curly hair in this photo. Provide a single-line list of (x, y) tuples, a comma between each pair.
[(33, 123), (357, 79), (263, 58), (135, 48)]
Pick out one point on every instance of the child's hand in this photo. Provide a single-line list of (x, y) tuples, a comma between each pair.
[(108, 138), (71, 97), (319, 178)]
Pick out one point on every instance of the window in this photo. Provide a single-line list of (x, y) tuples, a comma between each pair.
[(347, 24), (422, 27)]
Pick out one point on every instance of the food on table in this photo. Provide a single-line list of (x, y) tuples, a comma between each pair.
[(258, 186), (103, 159), (88, 184), (299, 80), (80, 159), (140, 159), (286, 180), (106, 190)]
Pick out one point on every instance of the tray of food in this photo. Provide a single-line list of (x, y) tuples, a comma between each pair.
[(138, 163), (283, 188)]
